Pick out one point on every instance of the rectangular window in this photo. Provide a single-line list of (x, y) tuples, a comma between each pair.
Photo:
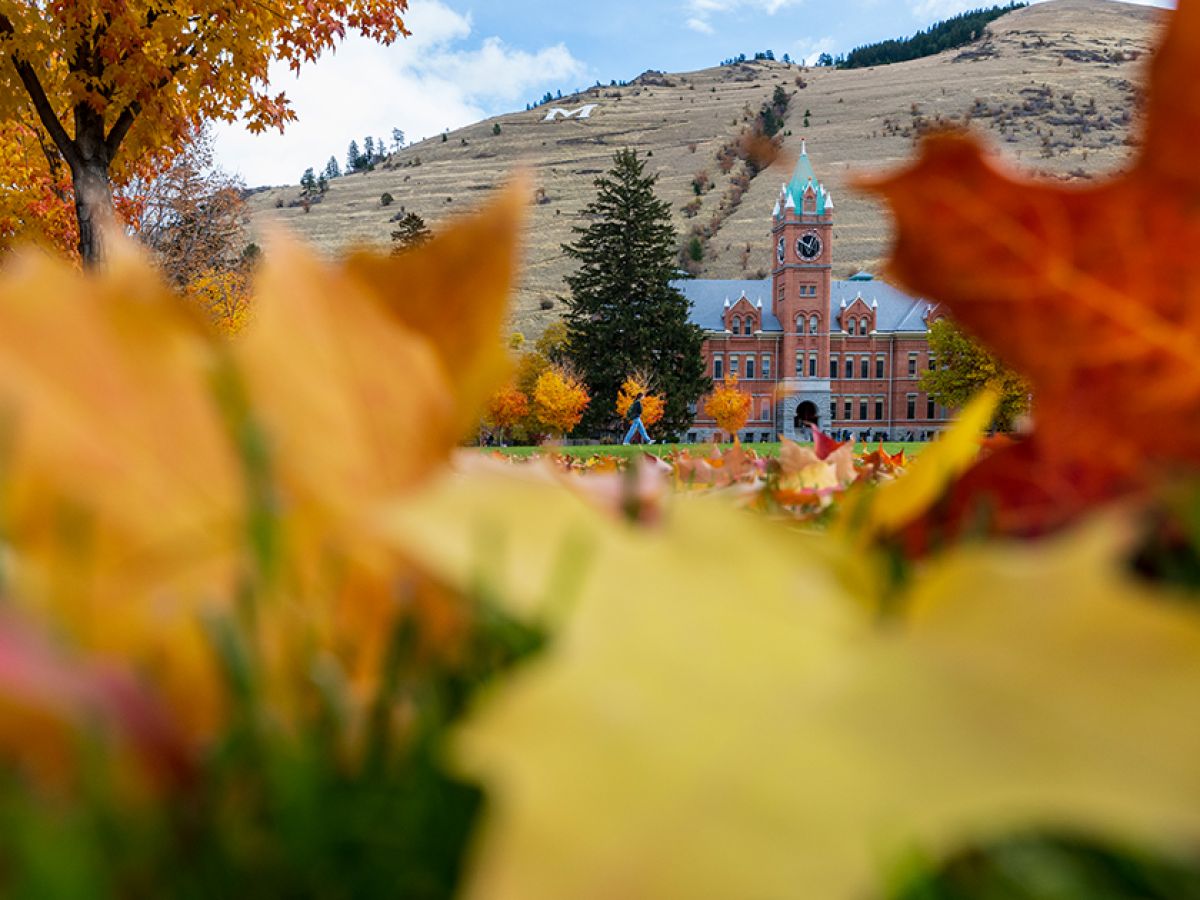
[(864, 367), (912, 365), (879, 363), (930, 411), (749, 367), (932, 362), (812, 365), (862, 408), (781, 292), (766, 410), (912, 406), (833, 367), (718, 367), (812, 290), (734, 365), (799, 364), (848, 409), (878, 409), (833, 408), (766, 365)]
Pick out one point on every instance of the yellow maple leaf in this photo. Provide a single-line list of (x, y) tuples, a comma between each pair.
[(740, 731)]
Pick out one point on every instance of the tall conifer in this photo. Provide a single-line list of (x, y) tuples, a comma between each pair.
[(623, 315)]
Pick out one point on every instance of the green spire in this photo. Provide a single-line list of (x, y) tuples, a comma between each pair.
[(802, 176)]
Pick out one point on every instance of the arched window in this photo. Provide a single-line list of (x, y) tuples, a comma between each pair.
[(852, 327), (737, 325), (862, 327), (749, 324), (812, 324)]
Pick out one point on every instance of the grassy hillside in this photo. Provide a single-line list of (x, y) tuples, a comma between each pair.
[(1052, 85)]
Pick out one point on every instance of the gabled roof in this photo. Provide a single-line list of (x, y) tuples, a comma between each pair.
[(894, 310), (707, 297), (897, 311)]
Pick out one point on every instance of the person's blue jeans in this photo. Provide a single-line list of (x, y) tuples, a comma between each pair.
[(637, 428)]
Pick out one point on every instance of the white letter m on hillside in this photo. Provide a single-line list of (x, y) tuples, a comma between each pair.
[(584, 112)]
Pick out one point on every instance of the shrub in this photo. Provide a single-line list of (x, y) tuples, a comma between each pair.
[(386, 199)]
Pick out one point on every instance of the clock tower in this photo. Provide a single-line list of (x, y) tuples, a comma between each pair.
[(801, 280)]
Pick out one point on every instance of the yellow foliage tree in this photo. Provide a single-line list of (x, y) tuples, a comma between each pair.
[(559, 399), (224, 296), (729, 406), (653, 405)]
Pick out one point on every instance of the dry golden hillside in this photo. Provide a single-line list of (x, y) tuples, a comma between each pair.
[(1053, 85)]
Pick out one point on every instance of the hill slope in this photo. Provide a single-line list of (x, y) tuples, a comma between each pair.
[(1053, 85)]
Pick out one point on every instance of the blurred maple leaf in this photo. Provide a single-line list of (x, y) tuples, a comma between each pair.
[(1092, 293), (133, 485)]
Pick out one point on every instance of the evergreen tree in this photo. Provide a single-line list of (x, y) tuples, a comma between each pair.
[(411, 231), (353, 158), (369, 149), (623, 314), (308, 182), (332, 170)]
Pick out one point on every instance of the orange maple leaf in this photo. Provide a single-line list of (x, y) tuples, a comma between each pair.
[(1092, 293)]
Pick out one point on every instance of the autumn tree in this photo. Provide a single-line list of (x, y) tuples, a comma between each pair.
[(623, 314), (113, 85), (963, 369), (729, 406), (559, 400), (192, 218), (507, 410), (35, 191), (411, 231), (653, 405)]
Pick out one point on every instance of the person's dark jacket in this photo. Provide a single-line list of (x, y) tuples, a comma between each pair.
[(635, 410)]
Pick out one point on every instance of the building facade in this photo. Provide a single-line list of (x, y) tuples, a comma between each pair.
[(846, 356)]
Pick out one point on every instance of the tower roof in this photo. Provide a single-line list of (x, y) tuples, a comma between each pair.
[(802, 177)]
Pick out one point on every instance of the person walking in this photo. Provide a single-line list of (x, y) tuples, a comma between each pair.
[(635, 413)]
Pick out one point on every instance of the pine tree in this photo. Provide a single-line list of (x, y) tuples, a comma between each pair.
[(623, 315), (369, 150), (332, 170), (411, 231), (308, 182), (353, 157)]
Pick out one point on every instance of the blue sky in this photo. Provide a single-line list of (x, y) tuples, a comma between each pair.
[(469, 59)]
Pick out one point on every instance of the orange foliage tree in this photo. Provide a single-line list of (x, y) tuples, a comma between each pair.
[(559, 399), (35, 191), (653, 405), (507, 409), (729, 406), (113, 84)]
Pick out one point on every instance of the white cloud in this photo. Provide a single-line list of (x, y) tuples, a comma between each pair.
[(703, 11), (422, 85)]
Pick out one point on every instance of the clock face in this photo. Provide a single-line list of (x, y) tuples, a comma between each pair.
[(779, 249), (809, 246)]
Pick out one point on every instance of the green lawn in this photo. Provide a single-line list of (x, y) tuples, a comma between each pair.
[(660, 449)]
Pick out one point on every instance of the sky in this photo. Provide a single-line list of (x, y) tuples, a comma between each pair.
[(470, 59)]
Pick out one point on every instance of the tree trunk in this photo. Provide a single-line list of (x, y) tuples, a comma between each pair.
[(93, 192)]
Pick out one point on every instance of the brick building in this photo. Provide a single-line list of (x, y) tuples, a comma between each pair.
[(846, 355)]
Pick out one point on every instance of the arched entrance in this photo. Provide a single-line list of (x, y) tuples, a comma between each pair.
[(806, 414)]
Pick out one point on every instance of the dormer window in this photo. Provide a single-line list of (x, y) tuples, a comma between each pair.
[(737, 325), (862, 325), (852, 327)]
